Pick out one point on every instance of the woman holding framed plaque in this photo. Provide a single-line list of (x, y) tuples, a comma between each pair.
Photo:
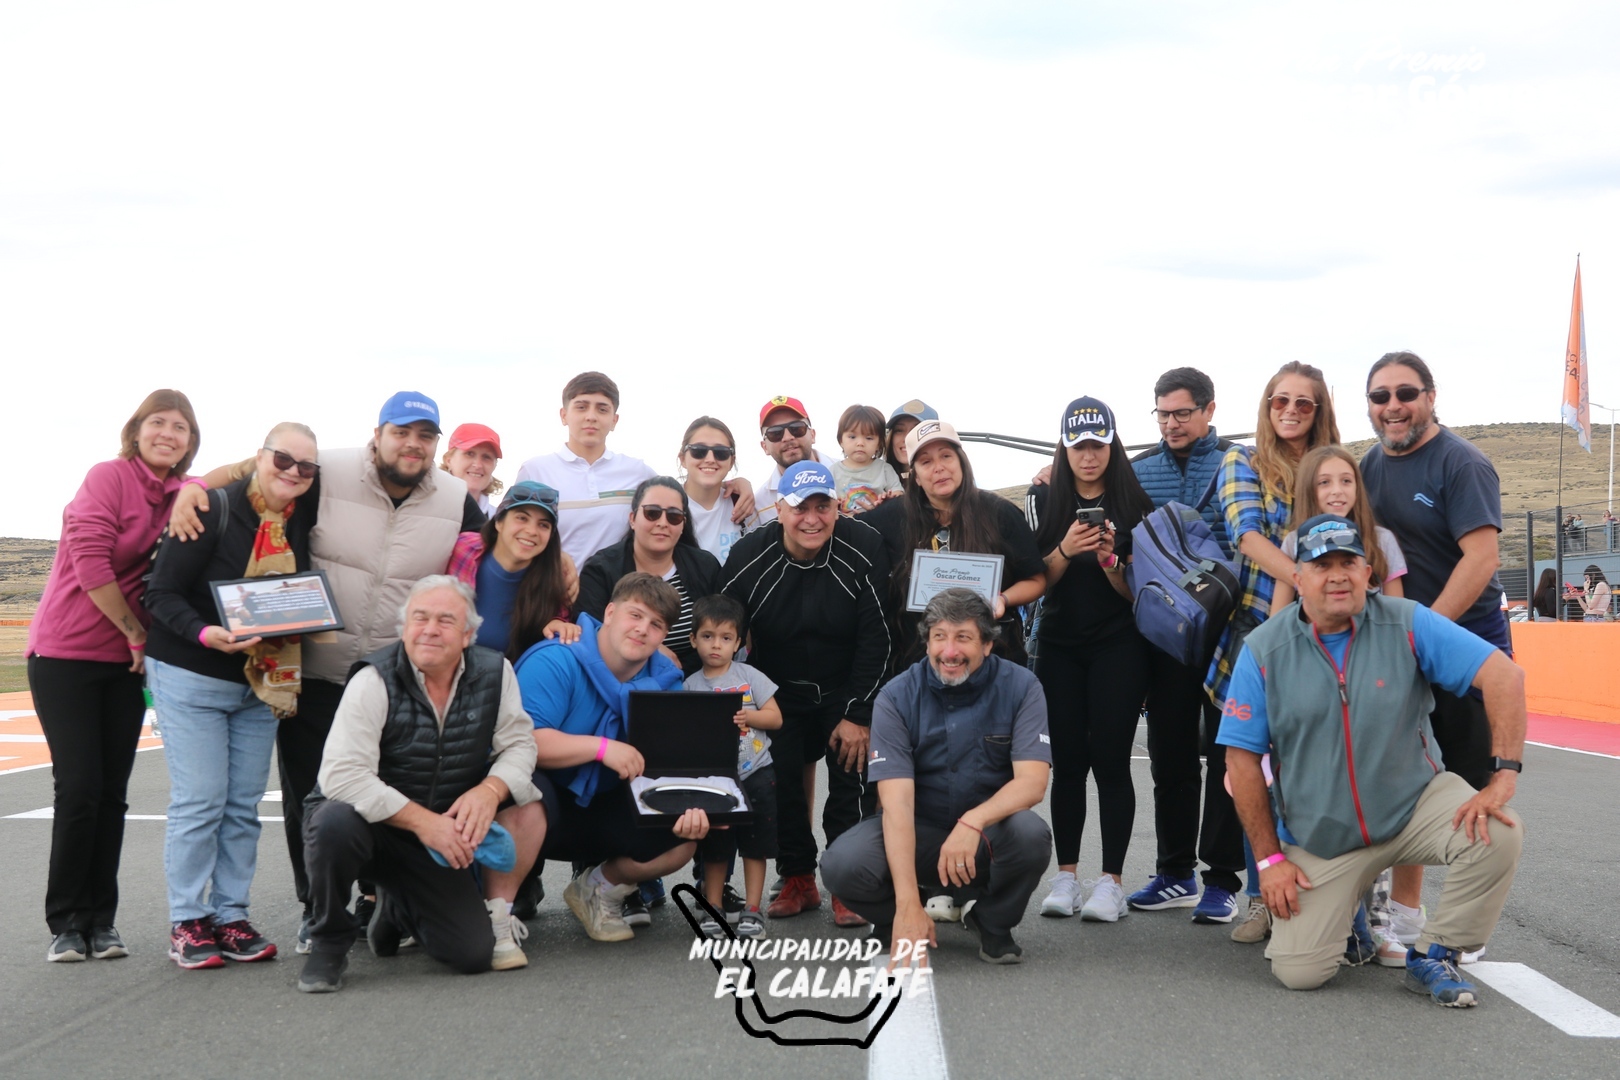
[(221, 695), (86, 651), (1090, 658), (943, 532)]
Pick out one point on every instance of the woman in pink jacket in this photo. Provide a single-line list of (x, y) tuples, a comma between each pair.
[(86, 655)]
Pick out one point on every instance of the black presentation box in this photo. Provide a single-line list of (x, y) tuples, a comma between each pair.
[(683, 733)]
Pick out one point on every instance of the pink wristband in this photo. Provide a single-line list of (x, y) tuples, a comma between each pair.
[(1271, 860), (199, 481), (601, 749)]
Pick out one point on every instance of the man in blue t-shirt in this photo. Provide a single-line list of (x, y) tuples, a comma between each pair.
[(1336, 688), (577, 696)]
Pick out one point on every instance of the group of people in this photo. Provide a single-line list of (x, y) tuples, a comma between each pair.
[(472, 710)]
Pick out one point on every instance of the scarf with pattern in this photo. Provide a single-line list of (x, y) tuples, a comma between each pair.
[(274, 666)]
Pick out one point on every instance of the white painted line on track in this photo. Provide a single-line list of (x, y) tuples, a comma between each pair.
[(46, 764), (13, 714), (910, 1046), (1562, 1008), (1571, 750), (48, 813), (4, 738)]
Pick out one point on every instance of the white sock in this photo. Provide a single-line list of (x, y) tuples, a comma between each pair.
[(1410, 914), (1063, 874), (598, 881), (505, 906)]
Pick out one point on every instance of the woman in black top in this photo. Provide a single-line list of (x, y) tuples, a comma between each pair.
[(944, 510), (1089, 656), (1545, 601), (220, 696), (660, 543)]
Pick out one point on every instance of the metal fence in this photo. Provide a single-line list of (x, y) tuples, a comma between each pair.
[(1566, 540)]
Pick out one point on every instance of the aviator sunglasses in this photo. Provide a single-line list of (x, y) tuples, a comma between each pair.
[(653, 513), (1405, 394), (1303, 405), (703, 450), (795, 428), (285, 461)]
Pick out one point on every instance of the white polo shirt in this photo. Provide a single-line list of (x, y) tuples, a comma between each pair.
[(594, 507)]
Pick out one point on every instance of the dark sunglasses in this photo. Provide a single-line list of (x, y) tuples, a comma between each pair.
[(285, 461), (1303, 405), (702, 450), (795, 428), (653, 513), (1402, 393)]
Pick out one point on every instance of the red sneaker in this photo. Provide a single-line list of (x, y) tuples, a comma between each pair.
[(844, 917), (798, 894)]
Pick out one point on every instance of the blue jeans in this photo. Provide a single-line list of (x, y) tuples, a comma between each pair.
[(217, 738)]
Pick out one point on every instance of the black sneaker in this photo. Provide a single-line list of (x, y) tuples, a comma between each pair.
[(652, 892), (323, 973), (383, 933), (68, 947), (303, 944), (733, 904), (995, 947), (635, 910), (529, 895), (105, 944), (240, 942), (192, 945), (364, 908)]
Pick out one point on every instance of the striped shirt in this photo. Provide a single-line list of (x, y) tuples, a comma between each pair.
[(594, 511)]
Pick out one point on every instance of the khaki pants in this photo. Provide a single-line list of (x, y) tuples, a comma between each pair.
[(1306, 948)]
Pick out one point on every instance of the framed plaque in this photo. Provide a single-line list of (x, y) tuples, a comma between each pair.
[(277, 606), (935, 571)]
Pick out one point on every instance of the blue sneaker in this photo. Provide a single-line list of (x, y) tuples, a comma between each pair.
[(1163, 892), (652, 892), (1360, 947), (1217, 905), (1436, 974)]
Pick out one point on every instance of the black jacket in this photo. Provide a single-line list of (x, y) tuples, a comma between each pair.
[(699, 572), (818, 627), (178, 596)]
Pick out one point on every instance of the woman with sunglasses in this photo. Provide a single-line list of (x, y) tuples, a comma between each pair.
[(221, 697), (708, 455), (1255, 487), (86, 651), (516, 567), (659, 543)]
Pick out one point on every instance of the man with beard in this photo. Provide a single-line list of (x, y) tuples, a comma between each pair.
[(787, 438), (1442, 499), (961, 755), (386, 518)]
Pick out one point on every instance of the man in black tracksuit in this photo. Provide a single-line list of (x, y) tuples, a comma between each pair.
[(812, 583)]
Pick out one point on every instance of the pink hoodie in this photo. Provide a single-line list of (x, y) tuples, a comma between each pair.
[(108, 533)]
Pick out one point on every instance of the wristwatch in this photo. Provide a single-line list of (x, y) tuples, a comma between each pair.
[(1500, 763)]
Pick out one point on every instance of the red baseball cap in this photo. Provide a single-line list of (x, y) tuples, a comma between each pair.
[(782, 402), (470, 435)]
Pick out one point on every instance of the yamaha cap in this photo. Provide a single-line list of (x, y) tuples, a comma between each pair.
[(407, 407)]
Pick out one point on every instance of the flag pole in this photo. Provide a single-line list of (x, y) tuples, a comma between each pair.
[(1558, 525)]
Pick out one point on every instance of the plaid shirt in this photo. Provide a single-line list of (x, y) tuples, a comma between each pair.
[(464, 558), (1247, 507)]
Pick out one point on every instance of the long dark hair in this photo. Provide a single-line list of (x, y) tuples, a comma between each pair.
[(674, 485), (1123, 496), (1545, 599), (541, 595), (973, 522)]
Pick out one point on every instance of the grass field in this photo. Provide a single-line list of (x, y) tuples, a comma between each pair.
[(1525, 455)]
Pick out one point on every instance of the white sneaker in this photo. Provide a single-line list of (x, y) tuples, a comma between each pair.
[(1064, 898), (1107, 901), (509, 934), (599, 910), (1471, 957), (943, 908), (1405, 924)]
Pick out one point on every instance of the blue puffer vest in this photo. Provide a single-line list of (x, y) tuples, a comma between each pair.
[(426, 765), (1167, 478)]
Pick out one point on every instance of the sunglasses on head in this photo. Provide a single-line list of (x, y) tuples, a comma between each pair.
[(703, 450), (1302, 405), (1402, 393), (653, 513), (795, 428), (285, 461)]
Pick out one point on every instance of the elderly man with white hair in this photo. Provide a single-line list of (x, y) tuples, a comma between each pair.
[(429, 747)]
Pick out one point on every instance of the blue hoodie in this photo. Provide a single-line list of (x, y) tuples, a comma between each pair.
[(571, 689)]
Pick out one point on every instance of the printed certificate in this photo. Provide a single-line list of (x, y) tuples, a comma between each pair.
[(935, 571), (277, 606)]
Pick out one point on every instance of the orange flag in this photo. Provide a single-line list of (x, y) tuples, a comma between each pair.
[(1576, 410)]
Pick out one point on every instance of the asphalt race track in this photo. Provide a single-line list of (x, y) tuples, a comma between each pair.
[(1150, 995)]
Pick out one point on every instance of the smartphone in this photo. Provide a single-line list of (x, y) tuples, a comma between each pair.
[(1091, 515)]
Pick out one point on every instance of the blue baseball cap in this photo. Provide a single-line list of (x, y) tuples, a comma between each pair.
[(408, 407), (917, 409), (530, 493), (803, 480), (1327, 533)]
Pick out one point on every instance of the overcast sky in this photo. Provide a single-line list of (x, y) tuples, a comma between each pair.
[(290, 211)]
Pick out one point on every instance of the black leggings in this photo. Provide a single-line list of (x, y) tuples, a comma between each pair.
[(1093, 700), (91, 713)]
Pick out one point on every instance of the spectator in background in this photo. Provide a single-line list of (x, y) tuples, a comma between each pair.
[(474, 449), (221, 698), (1545, 601), (901, 421), (1595, 601), (86, 654)]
